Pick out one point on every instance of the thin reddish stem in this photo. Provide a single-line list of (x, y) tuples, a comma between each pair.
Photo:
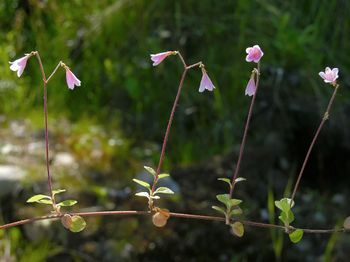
[(241, 149), (324, 119), (49, 177), (167, 132), (172, 214)]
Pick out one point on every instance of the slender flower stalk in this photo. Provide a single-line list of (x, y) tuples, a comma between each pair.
[(157, 58), (324, 119), (241, 149), (49, 177), (19, 66)]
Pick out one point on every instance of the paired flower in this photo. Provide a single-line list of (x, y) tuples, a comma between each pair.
[(205, 81), (254, 54), (158, 58), (251, 87), (20, 64), (329, 75)]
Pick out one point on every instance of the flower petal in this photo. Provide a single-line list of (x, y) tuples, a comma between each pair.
[(251, 87)]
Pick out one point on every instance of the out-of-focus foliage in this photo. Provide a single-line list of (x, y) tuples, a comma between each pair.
[(117, 118)]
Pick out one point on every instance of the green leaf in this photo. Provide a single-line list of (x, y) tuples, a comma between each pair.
[(163, 175), (284, 204), (228, 181), (142, 183), (223, 198), (240, 179), (163, 190), (155, 197), (77, 224), (37, 198), (142, 194), (347, 223), (235, 202), (58, 191), (287, 217), (45, 201), (296, 236), (238, 229), (150, 170), (221, 210), (235, 211), (67, 203)]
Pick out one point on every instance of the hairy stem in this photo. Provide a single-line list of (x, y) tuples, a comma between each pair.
[(241, 149), (324, 119)]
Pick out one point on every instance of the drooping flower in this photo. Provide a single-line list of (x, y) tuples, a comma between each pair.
[(71, 79), (254, 54), (205, 82), (251, 87), (20, 64), (329, 75), (158, 58)]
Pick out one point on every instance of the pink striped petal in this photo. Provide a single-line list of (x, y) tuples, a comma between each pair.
[(158, 58), (19, 65), (71, 79), (251, 87), (206, 83)]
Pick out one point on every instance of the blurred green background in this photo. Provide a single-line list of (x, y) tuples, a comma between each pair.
[(102, 133)]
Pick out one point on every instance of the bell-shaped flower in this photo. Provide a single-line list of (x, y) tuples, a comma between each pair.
[(19, 64), (158, 58), (72, 80), (254, 54), (251, 87), (329, 75), (205, 82)]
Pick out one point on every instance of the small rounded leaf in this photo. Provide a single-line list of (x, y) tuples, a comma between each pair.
[(37, 198), (160, 218), (347, 223), (296, 236), (163, 175), (142, 194), (67, 203), (66, 221), (78, 224), (237, 229), (142, 183), (150, 170), (221, 210), (163, 190)]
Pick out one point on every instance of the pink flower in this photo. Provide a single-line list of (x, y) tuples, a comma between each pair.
[(329, 75), (158, 58), (251, 87), (71, 79), (254, 54), (205, 82), (19, 64)]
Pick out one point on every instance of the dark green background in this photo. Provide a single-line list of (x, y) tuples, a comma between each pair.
[(122, 97)]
